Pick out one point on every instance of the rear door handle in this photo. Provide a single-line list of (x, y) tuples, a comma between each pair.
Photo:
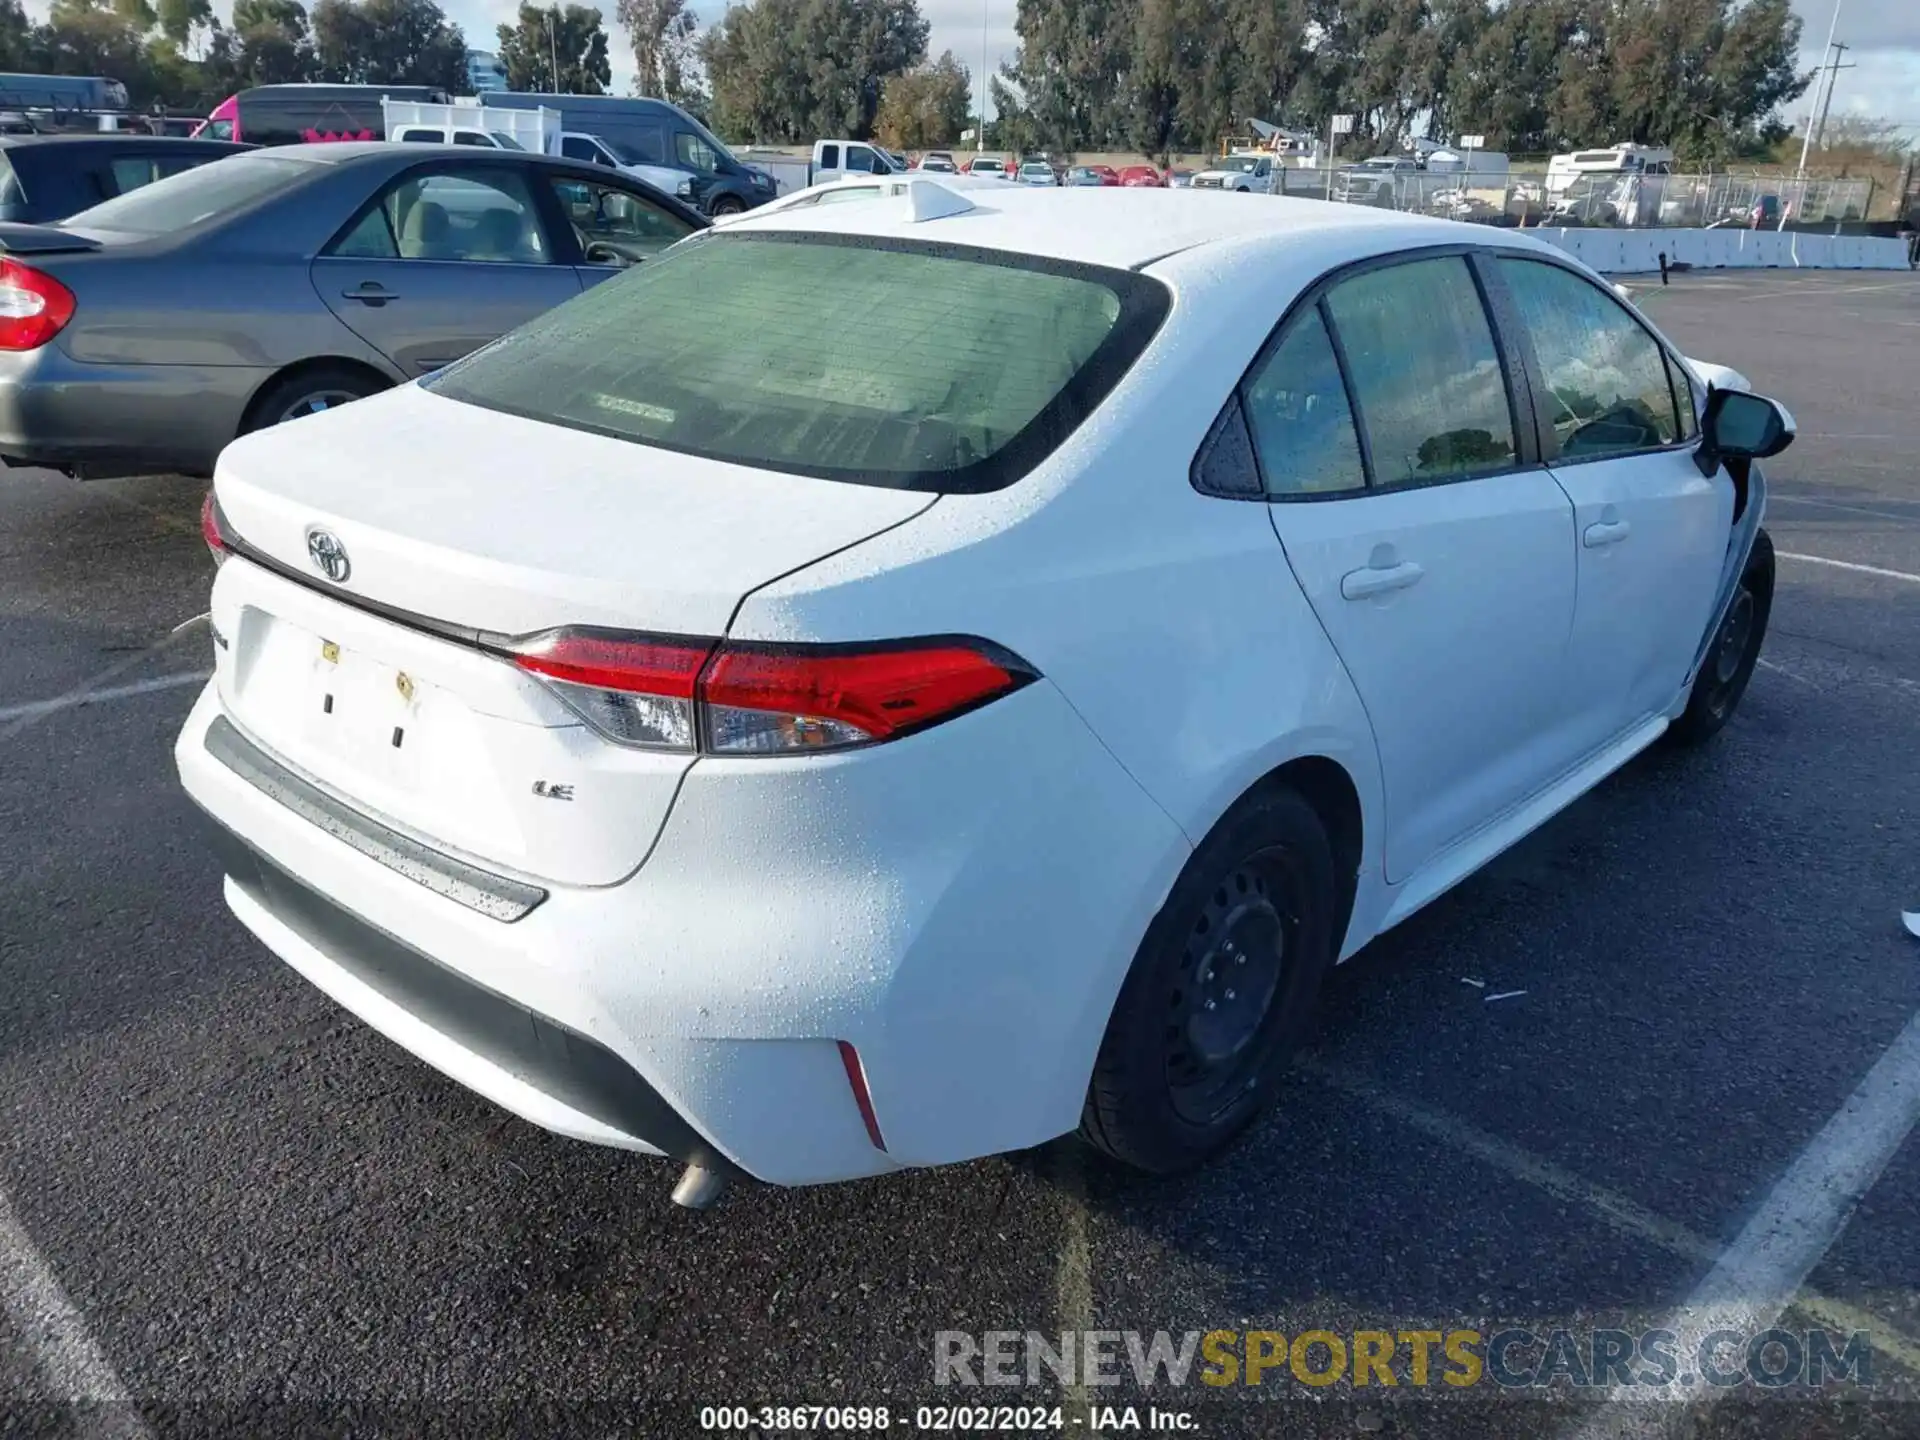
[(370, 293), (1605, 532), (1379, 580)]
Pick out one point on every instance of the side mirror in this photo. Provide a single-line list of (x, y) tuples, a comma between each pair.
[(1740, 425)]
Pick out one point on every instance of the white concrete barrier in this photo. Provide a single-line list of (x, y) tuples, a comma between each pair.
[(1629, 252)]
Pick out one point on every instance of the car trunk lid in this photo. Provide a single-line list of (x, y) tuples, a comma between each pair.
[(454, 529)]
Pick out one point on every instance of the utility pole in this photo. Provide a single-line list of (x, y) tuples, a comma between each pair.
[(1820, 129), (980, 140), (553, 49), (1806, 141)]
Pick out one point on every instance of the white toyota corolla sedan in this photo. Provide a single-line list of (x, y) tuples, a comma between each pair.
[(889, 683)]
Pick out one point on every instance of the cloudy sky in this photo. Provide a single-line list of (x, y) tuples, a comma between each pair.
[(1884, 34)]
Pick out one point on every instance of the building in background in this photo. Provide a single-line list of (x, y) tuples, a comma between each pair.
[(485, 73)]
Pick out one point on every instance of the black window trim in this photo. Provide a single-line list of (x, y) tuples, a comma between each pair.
[(1145, 303), (1543, 412), (1517, 383), (537, 174)]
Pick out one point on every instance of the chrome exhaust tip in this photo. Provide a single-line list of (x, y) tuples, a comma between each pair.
[(699, 1188)]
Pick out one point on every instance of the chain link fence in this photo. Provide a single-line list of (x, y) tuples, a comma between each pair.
[(1530, 198)]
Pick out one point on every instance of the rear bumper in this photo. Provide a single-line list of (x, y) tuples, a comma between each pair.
[(576, 1073), (103, 420), (960, 906)]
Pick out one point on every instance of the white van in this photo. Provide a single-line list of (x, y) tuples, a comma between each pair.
[(837, 159)]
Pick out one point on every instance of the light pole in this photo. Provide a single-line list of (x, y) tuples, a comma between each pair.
[(1806, 141), (980, 140), (553, 49)]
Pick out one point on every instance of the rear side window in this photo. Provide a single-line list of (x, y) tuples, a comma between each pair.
[(881, 362), (1606, 376), (1426, 377), (1302, 423), (220, 188), (13, 194)]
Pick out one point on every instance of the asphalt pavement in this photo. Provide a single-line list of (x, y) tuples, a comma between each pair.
[(227, 1207)]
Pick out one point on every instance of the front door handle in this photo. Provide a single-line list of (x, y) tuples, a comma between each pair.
[(1379, 580), (1605, 532), (369, 292)]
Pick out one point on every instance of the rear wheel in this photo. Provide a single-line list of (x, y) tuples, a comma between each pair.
[(309, 392), (1221, 990), (1734, 652)]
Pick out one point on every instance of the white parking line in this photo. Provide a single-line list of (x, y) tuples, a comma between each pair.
[(1850, 565), (1776, 498), (1073, 1275), (51, 1331), (20, 717), (34, 709), (1758, 1275), (1626, 1216)]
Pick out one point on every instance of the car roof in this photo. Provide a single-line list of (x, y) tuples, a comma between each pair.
[(347, 152), (1123, 229), (71, 139)]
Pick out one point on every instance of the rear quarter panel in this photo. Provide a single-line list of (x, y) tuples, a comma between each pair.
[(1168, 619)]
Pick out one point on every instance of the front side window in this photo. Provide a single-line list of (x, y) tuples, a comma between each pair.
[(578, 147), (1428, 382), (890, 363), (439, 216), (1302, 424), (219, 130), (1606, 376), (860, 158), (626, 227), (695, 153)]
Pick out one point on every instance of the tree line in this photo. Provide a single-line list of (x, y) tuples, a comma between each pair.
[(179, 55), (1152, 76), (1533, 76)]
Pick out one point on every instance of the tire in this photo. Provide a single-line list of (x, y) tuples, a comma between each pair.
[(728, 205), (1734, 652), (308, 392), (1249, 926)]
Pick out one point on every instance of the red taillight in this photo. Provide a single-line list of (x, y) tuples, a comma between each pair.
[(857, 1079), (667, 693), (637, 689), (34, 307), (211, 529)]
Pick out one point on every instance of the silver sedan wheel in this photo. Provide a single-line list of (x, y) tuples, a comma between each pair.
[(315, 402)]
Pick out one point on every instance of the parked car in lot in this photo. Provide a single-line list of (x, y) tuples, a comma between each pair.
[(146, 332), (700, 732), (1092, 175), (1135, 176), (1036, 172), (937, 161), (987, 165), (44, 178), (1239, 174)]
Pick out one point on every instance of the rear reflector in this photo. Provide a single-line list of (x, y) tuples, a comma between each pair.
[(857, 1078), (34, 307), (672, 693)]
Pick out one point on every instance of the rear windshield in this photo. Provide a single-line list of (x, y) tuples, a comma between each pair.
[(217, 188), (876, 361)]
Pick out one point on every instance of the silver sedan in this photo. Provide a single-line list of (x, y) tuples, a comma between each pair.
[(144, 334)]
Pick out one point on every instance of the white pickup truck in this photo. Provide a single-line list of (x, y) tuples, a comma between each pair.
[(470, 122), (840, 159), (1247, 173), (474, 122)]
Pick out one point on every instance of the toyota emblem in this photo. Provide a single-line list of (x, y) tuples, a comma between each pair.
[(329, 556)]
